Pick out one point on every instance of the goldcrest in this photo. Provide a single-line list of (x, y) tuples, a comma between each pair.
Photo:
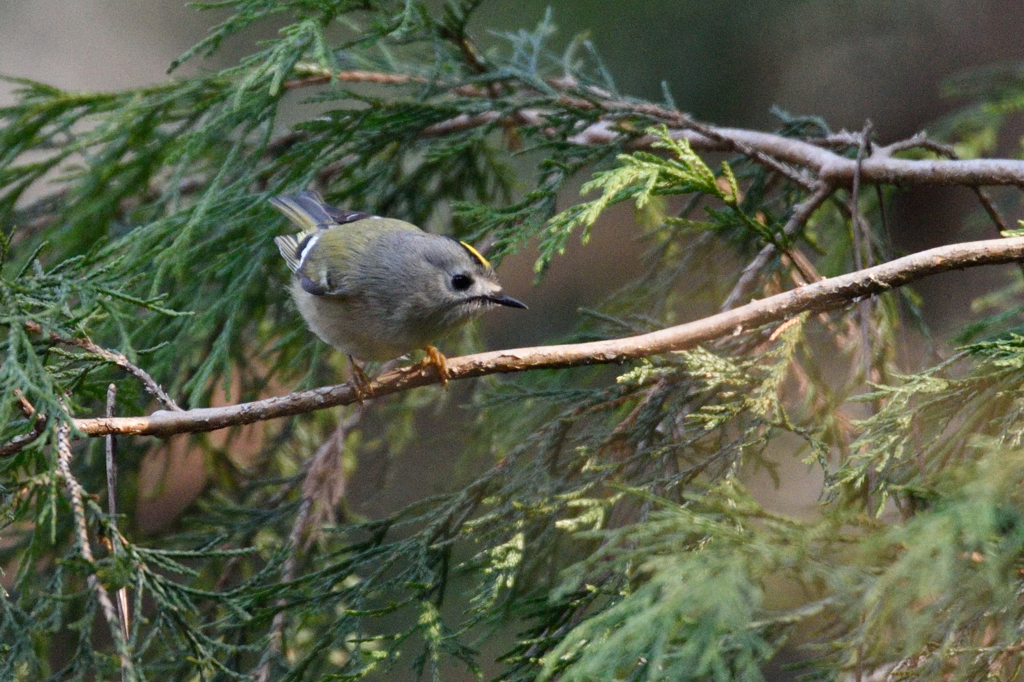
[(376, 288)]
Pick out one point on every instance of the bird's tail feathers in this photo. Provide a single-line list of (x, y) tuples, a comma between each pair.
[(306, 209)]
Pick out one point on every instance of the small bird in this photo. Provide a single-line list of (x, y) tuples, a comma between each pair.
[(377, 288)]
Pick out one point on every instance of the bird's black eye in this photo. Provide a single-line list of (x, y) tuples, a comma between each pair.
[(461, 282)]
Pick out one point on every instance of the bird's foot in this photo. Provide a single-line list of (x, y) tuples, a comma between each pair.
[(360, 381), (437, 359)]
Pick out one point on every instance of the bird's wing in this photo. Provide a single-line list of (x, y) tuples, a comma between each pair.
[(341, 251), (288, 245), (323, 254)]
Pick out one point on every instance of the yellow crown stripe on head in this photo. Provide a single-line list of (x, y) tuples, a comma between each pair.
[(479, 256)]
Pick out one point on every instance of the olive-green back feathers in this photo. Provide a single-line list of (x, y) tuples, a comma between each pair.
[(329, 241)]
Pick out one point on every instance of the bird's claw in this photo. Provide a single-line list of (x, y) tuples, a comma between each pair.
[(360, 382), (438, 360)]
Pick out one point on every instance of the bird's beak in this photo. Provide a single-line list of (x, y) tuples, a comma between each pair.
[(502, 299)]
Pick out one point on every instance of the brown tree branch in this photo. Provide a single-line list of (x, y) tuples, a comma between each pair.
[(38, 427), (837, 170), (829, 167), (17, 443), (828, 294)]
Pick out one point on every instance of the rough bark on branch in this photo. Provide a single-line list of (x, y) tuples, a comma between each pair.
[(829, 167), (881, 168), (827, 294)]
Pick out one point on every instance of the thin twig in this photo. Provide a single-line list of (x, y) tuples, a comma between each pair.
[(921, 141), (18, 443), (862, 250), (917, 141), (802, 266), (111, 461), (26, 407), (801, 213), (320, 77), (990, 208), (829, 294), (115, 538), (880, 196), (864, 253), (76, 494), (150, 384), (115, 358)]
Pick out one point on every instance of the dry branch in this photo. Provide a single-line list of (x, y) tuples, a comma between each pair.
[(828, 294), (829, 167), (18, 443), (837, 170), (769, 149)]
